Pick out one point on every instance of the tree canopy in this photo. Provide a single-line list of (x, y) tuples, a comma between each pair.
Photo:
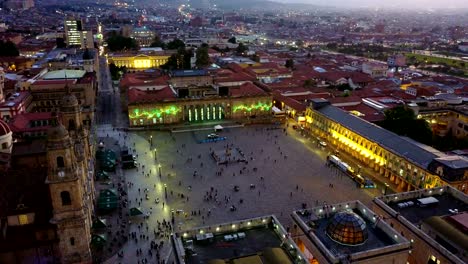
[(175, 44), (119, 43), (157, 42), (179, 61), (202, 57), (241, 48), (402, 121), (289, 63), (8, 49), (232, 40), (116, 71)]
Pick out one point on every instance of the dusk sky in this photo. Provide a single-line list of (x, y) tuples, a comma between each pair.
[(388, 3)]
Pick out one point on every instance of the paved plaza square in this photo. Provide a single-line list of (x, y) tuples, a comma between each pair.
[(283, 171)]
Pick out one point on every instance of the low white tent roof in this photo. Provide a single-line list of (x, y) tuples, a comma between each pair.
[(218, 127)]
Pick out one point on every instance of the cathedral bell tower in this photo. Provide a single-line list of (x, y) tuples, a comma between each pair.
[(70, 113), (64, 178)]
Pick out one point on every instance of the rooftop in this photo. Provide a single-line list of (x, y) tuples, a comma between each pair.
[(381, 136), (64, 74), (246, 89), (447, 199), (437, 215), (256, 240), (188, 73), (381, 238)]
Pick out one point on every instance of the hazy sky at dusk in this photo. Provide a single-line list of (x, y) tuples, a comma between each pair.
[(387, 3)]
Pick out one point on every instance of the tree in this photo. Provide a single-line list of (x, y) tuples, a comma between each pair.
[(179, 61), (202, 57), (175, 44), (8, 49), (289, 63), (119, 43), (402, 121), (309, 83), (171, 63), (116, 72), (232, 40), (241, 48), (157, 42)]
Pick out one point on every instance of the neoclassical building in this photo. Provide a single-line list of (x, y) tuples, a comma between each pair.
[(139, 61), (191, 96), (146, 108), (409, 164)]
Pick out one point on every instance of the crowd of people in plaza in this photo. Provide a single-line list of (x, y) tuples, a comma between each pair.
[(216, 200)]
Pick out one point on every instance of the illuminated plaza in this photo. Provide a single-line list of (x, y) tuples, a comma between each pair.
[(172, 160)]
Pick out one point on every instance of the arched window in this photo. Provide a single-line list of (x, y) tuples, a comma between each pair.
[(66, 199), (72, 241), (4, 145), (60, 162), (71, 124)]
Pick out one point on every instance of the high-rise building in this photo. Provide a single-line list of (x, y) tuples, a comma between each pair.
[(76, 35)]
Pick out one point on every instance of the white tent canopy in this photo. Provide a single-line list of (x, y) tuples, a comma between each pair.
[(218, 128)]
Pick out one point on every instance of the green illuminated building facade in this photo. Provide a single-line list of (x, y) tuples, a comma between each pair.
[(246, 108)]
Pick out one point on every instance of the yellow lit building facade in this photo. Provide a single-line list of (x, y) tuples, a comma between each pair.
[(139, 61), (403, 162)]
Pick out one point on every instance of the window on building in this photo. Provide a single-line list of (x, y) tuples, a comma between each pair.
[(60, 162), (72, 241), (433, 260), (4, 145), (23, 219), (66, 199)]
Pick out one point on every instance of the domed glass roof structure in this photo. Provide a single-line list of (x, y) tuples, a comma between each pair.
[(347, 228)]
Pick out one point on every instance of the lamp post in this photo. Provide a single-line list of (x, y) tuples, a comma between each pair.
[(165, 190), (386, 187), (155, 157), (159, 169)]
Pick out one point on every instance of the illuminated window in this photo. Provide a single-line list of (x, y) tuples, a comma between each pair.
[(433, 260), (23, 219)]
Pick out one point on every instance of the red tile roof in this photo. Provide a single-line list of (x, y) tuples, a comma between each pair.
[(138, 96), (20, 123), (298, 106), (370, 114), (143, 79), (246, 89), (15, 100)]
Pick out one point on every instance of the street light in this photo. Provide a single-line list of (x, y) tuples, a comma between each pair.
[(159, 168), (386, 187)]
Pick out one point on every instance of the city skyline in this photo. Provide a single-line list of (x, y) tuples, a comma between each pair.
[(418, 4)]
